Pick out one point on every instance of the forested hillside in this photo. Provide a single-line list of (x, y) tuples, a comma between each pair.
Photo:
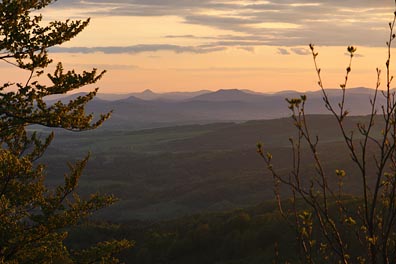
[(169, 172)]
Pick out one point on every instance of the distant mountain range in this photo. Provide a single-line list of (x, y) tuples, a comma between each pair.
[(150, 95), (148, 109)]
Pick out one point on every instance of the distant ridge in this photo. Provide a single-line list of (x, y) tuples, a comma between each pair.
[(131, 99), (225, 105), (250, 96), (221, 94), (66, 98), (226, 95), (146, 95), (150, 95), (287, 92)]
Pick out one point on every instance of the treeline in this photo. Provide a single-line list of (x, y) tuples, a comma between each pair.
[(254, 235)]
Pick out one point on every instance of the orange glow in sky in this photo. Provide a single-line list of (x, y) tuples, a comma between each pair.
[(177, 45)]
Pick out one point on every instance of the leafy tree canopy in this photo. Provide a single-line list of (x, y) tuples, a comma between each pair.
[(33, 217)]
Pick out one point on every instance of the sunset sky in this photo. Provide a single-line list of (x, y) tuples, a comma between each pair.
[(185, 45)]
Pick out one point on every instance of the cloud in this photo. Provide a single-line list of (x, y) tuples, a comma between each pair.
[(289, 51), (283, 51), (301, 51), (356, 55), (107, 66), (138, 49), (285, 23), (180, 36), (223, 69), (248, 49)]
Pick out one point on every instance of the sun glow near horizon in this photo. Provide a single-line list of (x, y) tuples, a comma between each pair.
[(264, 70), (214, 44)]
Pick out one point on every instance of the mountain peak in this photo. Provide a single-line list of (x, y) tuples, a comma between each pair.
[(148, 91), (225, 95), (132, 99), (229, 91)]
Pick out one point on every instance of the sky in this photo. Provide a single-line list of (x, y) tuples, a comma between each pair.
[(189, 45)]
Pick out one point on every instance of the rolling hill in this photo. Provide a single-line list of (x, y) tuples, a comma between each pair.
[(169, 172), (223, 105)]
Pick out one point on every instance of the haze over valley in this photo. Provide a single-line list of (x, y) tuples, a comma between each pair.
[(150, 110), (169, 155)]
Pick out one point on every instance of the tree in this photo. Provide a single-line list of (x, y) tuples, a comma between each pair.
[(331, 225), (34, 218)]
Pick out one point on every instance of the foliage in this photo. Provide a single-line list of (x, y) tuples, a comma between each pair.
[(329, 229), (171, 172), (238, 236), (34, 217)]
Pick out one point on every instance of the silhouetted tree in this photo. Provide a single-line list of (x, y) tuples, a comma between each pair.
[(330, 225), (34, 218)]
